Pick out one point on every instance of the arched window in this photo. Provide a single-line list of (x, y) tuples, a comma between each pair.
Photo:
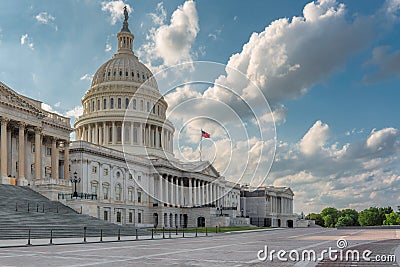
[(134, 103), (111, 103), (126, 103), (118, 192), (104, 103), (94, 186)]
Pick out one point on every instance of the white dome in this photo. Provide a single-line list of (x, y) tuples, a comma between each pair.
[(124, 67)]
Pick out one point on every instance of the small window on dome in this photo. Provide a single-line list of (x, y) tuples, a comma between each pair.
[(104, 74), (133, 74), (126, 103), (137, 75), (115, 73), (143, 76), (120, 73), (119, 103), (109, 74), (111, 103), (126, 73), (105, 104), (134, 103)]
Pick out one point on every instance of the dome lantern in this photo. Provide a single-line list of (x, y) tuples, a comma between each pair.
[(125, 37)]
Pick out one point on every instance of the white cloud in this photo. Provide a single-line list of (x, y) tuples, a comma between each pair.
[(26, 40), (160, 15), (75, 112), (46, 18), (116, 10), (172, 43), (50, 108), (87, 77), (344, 175), (387, 63), (315, 139)]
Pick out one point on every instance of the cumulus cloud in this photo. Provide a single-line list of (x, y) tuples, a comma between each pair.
[(386, 63), (172, 42), (26, 40), (46, 18), (75, 112), (344, 174), (116, 10), (87, 77), (160, 15)]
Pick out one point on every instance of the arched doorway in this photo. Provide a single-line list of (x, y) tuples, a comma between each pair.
[(201, 222), (290, 223), (279, 222)]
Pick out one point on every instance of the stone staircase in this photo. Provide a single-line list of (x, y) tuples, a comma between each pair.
[(23, 210)]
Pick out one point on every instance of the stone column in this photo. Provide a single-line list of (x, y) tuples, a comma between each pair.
[(54, 159), (105, 133), (66, 160), (140, 134), (171, 191), (89, 139), (132, 133), (123, 133), (100, 135), (96, 133), (4, 123), (38, 158), (194, 192), (176, 191), (182, 202), (206, 187), (160, 189), (166, 191), (21, 150), (114, 134), (190, 203)]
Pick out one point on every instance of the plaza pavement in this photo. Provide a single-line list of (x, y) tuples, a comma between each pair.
[(223, 249)]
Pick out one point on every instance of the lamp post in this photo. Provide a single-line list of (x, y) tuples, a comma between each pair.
[(75, 180), (220, 207), (241, 212)]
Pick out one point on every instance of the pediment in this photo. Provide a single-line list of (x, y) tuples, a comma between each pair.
[(11, 98)]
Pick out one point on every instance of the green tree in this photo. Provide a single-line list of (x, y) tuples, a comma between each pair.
[(384, 211), (345, 221), (330, 216), (372, 216), (392, 219), (350, 213), (317, 218)]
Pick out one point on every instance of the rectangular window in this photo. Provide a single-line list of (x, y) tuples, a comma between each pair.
[(105, 192), (126, 103), (119, 134), (94, 189), (110, 135), (139, 218), (148, 106), (111, 103), (48, 151), (134, 103), (118, 216), (94, 169), (135, 135), (141, 105), (98, 104), (130, 217), (105, 172), (139, 197), (105, 216), (92, 106), (104, 103), (130, 195), (119, 103), (33, 148)]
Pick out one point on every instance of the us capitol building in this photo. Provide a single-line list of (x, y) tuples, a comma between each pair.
[(122, 157)]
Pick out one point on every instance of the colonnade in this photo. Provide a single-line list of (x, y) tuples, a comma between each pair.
[(280, 204), (120, 132), (188, 192), (7, 127)]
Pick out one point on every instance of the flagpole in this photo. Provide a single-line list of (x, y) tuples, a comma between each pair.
[(201, 139)]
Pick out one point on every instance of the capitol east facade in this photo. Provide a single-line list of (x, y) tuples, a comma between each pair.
[(122, 156)]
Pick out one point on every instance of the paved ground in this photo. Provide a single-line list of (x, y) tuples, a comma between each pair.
[(236, 249)]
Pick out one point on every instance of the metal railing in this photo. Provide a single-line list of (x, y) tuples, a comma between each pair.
[(80, 196)]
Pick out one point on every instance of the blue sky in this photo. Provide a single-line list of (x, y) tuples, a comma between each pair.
[(331, 78)]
